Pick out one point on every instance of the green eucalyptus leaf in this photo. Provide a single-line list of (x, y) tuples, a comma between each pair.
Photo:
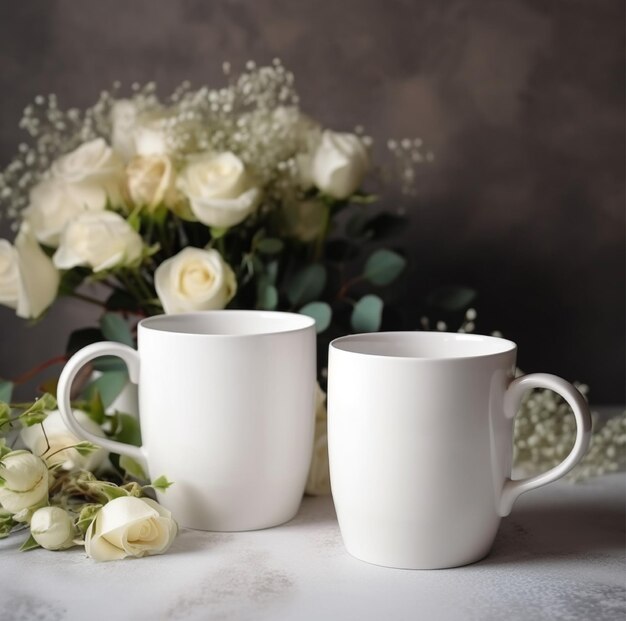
[(452, 298), (367, 314), (29, 544), (321, 312), (95, 408), (116, 329), (6, 390), (161, 484), (132, 467), (108, 363), (127, 430), (383, 267), (109, 385), (271, 271), (267, 295), (270, 245), (307, 284)]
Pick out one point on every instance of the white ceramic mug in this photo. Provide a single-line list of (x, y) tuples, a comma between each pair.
[(226, 405), (420, 428)]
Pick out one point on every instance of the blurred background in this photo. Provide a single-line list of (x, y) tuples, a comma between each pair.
[(521, 101)]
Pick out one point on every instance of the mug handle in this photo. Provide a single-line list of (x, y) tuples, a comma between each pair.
[(512, 399), (71, 369)]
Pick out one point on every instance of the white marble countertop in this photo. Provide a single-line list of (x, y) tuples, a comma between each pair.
[(560, 555)]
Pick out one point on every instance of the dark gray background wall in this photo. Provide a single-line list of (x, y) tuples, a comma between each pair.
[(522, 102)]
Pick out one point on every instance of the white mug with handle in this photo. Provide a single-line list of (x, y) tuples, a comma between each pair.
[(226, 406), (420, 429)]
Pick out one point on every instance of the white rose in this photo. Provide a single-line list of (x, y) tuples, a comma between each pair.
[(28, 279), (100, 240), (150, 134), (339, 164), (220, 191), (194, 279), (318, 481), (304, 220), (25, 481), (58, 438), (129, 526), (54, 203), (52, 528), (151, 181), (95, 172), (123, 120)]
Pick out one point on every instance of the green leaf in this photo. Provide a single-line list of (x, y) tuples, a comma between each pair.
[(270, 245), (5, 413), (84, 449), (29, 544), (6, 523), (116, 329), (86, 516), (321, 312), (108, 363), (267, 295), (307, 284), (95, 408), (32, 418), (127, 430), (367, 314), (217, 232), (452, 298), (383, 267), (109, 385), (4, 449), (161, 484), (6, 390), (132, 467)]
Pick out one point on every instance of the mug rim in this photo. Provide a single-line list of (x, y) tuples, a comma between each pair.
[(305, 322), (506, 346)]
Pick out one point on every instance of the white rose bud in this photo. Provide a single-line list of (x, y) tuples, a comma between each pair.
[(52, 528), (129, 526), (193, 280), (24, 481), (95, 173), (98, 239), (339, 164), (53, 442), (151, 181), (28, 279), (318, 481), (220, 190)]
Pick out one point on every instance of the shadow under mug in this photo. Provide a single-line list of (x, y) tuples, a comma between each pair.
[(226, 406), (420, 429)]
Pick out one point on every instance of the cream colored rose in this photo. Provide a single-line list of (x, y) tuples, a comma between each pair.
[(28, 279), (129, 526), (151, 181), (52, 528), (193, 280), (150, 133), (98, 239), (318, 481), (339, 164), (54, 445), (95, 173), (220, 190), (54, 203), (304, 220), (25, 481)]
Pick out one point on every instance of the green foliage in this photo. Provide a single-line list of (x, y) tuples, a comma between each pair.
[(270, 245), (161, 484), (367, 314), (6, 390), (85, 448), (126, 429), (37, 412), (132, 467), (321, 312), (29, 544), (108, 386), (86, 516), (307, 284), (114, 328), (383, 267), (7, 523), (451, 298)]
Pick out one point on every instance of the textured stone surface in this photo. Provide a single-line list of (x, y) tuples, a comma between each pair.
[(522, 102), (560, 555)]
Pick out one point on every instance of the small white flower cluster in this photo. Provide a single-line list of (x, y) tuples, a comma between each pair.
[(545, 431)]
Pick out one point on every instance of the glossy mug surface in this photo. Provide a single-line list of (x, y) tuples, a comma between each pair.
[(420, 429), (226, 405)]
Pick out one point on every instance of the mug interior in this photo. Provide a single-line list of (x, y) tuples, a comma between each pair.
[(424, 345), (229, 322)]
